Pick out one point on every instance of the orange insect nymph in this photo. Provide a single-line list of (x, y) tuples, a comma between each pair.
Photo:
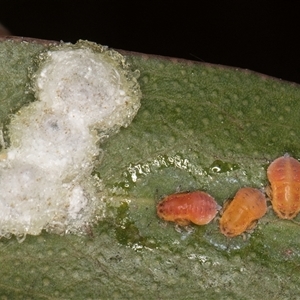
[(182, 208), (284, 176), (243, 211)]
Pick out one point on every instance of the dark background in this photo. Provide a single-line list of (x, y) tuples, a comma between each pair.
[(263, 36)]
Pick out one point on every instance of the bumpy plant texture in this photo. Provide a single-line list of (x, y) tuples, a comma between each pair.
[(45, 173), (200, 127)]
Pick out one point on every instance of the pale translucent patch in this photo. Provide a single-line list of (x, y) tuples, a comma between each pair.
[(45, 174)]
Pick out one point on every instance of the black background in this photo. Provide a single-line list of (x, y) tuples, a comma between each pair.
[(263, 36)]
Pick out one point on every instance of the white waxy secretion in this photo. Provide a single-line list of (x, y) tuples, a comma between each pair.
[(45, 180)]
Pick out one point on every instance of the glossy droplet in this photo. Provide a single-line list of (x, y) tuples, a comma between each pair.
[(284, 176), (242, 212), (183, 208), (219, 166)]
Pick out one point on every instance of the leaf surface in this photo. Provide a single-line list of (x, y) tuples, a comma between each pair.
[(200, 126)]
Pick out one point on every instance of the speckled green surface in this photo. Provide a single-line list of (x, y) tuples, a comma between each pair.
[(199, 127)]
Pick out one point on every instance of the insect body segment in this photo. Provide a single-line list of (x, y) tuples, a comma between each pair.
[(183, 208), (243, 211), (284, 176)]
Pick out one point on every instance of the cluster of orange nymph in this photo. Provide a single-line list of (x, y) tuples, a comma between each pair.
[(241, 213)]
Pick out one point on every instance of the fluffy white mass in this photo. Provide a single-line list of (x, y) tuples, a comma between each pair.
[(45, 177)]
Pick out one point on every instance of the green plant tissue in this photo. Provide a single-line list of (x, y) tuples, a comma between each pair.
[(199, 126)]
